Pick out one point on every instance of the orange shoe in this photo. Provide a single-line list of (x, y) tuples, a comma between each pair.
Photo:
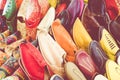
[(64, 39)]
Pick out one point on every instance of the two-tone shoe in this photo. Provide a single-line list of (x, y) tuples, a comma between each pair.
[(108, 43), (32, 19), (86, 64)]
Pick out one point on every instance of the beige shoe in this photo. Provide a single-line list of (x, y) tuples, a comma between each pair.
[(52, 52), (112, 70), (72, 72), (47, 20)]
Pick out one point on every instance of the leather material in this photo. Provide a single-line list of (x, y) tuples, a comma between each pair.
[(114, 28), (94, 16), (98, 55), (59, 32), (30, 54), (2, 5), (47, 20), (32, 19), (112, 70), (72, 72), (56, 77), (100, 77), (86, 64), (53, 3), (52, 52), (107, 43), (73, 11), (112, 9), (80, 35), (44, 4), (60, 8), (10, 13)]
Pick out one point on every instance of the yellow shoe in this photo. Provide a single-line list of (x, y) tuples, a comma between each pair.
[(80, 35), (107, 43), (112, 70)]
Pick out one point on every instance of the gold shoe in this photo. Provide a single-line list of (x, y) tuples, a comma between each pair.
[(80, 35)]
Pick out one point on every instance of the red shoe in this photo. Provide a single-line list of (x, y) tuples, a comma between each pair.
[(30, 54)]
